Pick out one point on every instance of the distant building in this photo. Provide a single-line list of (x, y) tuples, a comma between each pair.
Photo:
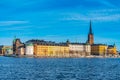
[(1, 51), (29, 49), (79, 49), (90, 35), (5, 49), (21, 50), (16, 45), (8, 51), (112, 50), (49, 49), (99, 49)]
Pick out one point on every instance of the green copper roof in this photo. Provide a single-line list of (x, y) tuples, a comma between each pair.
[(30, 44), (14, 39)]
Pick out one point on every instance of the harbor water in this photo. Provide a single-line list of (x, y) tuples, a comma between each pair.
[(59, 68)]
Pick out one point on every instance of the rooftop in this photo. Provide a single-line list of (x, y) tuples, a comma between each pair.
[(99, 45), (42, 42), (79, 43)]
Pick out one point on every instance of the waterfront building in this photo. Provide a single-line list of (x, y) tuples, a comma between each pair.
[(99, 49), (17, 44), (8, 51), (49, 49), (52, 50), (79, 49), (90, 35), (1, 52), (29, 49), (5, 49), (112, 50), (21, 50)]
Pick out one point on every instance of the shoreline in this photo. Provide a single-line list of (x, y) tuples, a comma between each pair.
[(29, 56)]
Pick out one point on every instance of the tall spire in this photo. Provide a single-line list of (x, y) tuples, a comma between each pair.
[(90, 30), (90, 35)]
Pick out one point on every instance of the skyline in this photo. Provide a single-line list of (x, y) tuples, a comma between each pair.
[(29, 19)]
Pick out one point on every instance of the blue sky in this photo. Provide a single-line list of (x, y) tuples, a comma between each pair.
[(59, 20)]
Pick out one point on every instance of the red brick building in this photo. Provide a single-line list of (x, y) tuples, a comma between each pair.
[(16, 45)]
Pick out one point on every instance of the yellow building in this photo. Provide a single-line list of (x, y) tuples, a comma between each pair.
[(99, 49), (112, 50), (51, 50)]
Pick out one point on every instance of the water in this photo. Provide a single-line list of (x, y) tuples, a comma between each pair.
[(59, 69)]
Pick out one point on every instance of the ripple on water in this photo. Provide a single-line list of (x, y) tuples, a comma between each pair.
[(59, 69)]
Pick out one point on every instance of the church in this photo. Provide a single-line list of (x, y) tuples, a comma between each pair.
[(100, 49)]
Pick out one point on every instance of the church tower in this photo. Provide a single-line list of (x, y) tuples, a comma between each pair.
[(90, 35)]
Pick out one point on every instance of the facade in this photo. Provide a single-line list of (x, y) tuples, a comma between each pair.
[(5, 49), (90, 35), (79, 49), (49, 49), (1, 51), (99, 49), (8, 51), (21, 50), (17, 44), (112, 50), (43, 50), (29, 49)]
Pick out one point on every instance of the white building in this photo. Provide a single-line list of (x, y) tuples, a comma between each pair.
[(29, 49), (79, 49), (8, 51)]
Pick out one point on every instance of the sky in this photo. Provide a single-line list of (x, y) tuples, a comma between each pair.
[(59, 20)]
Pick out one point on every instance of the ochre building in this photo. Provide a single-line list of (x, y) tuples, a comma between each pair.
[(99, 49), (112, 50), (58, 50), (49, 49)]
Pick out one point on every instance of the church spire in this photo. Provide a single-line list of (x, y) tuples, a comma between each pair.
[(90, 35), (90, 30)]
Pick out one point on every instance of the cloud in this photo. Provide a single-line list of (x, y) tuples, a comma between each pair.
[(10, 23), (106, 3), (16, 28), (98, 18), (99, 15), (20, 6), (115, 17), (105, 40)]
